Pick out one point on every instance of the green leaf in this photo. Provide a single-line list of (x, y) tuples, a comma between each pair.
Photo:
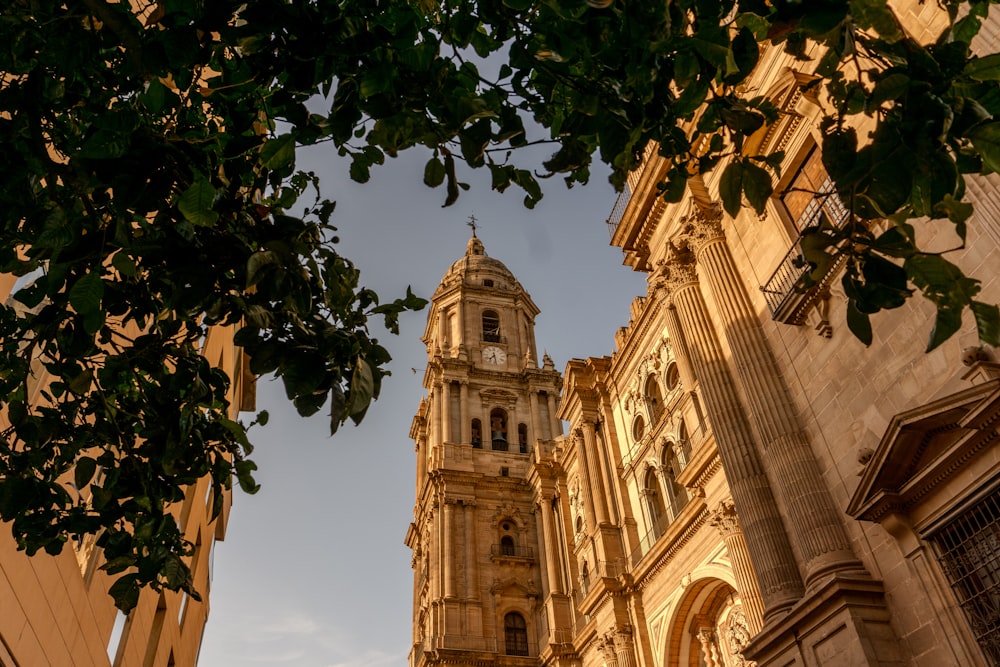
[(888, 88), (986, 140), (987, 322), (986, 68), (244, 474), (125, 592), (86, 294), (946, 324), (757, 186), (195, 204), (859, 323), (731, 187), (279, 153), (83, 471), (434, 173), (362, 389)]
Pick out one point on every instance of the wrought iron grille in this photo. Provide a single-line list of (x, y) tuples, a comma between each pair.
[(969, 551), (621, 203), (781, 286)]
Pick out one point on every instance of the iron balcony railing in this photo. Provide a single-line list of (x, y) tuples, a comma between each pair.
[(618, 211), (783, 286), (511, 551)]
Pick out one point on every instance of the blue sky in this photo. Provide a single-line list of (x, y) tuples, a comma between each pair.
[(313, 571)]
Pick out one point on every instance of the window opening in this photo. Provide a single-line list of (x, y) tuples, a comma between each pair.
[(676, 494), (522, 438), (638, 428), (507, 545), (654, 501), (810, 198), (673, 377), (654, 401), (487, 283), (515, 632), (498, 430), (477, 434), (969, 551), (491, 326)]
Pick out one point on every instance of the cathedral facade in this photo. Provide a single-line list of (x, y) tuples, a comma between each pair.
[(740, 481)]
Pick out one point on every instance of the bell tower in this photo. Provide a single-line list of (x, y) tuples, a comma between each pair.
[(475, 537)]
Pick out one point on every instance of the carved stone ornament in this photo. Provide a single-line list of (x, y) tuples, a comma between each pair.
[(677, 272), (724, 518), (704, 225), (737, 637), (606, 644)]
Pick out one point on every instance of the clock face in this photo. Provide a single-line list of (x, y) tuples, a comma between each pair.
[(494, 355)]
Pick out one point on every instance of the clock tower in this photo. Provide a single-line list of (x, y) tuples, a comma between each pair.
[(475, 537)]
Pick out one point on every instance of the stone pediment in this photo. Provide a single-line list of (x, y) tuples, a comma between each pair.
[(924, 447), (501, 396), (511, 587)]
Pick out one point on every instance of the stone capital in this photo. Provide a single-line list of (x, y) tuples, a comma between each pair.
[(675, 272), (704, 226), (724, 518)]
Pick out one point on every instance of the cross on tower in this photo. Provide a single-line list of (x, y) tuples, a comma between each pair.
[(472, 223)]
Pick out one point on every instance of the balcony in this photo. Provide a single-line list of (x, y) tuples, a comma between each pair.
[(511, 551), (621, 203), (787, 297)]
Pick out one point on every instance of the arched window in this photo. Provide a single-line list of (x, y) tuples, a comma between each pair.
[(579, 524), (522, 437), (654, 500), (584, 578), (507, 546), (654, 400), (676, 494), (498, 429), (491, 326), (638, 428), (477, 434), (684, 457), (515, 633)]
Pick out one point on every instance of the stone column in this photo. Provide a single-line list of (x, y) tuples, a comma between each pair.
[(472, 564), (706, 636), (596, 473), (767, 543), (449, 549), (464, 417), (606, 644), (724, 519), (624, 648), (436, 434), (550, 547), (798, 484), (555, 428), (588, 502), (445, 411)]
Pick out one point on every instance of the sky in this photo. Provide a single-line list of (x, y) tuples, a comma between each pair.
[(313, 571)]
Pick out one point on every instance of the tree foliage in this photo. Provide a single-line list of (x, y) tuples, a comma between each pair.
[(150, 191)]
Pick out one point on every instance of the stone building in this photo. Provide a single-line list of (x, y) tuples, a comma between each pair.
[(56, 610), (741, 481)]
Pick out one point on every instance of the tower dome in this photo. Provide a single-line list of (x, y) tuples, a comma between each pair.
[(476, 268)]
